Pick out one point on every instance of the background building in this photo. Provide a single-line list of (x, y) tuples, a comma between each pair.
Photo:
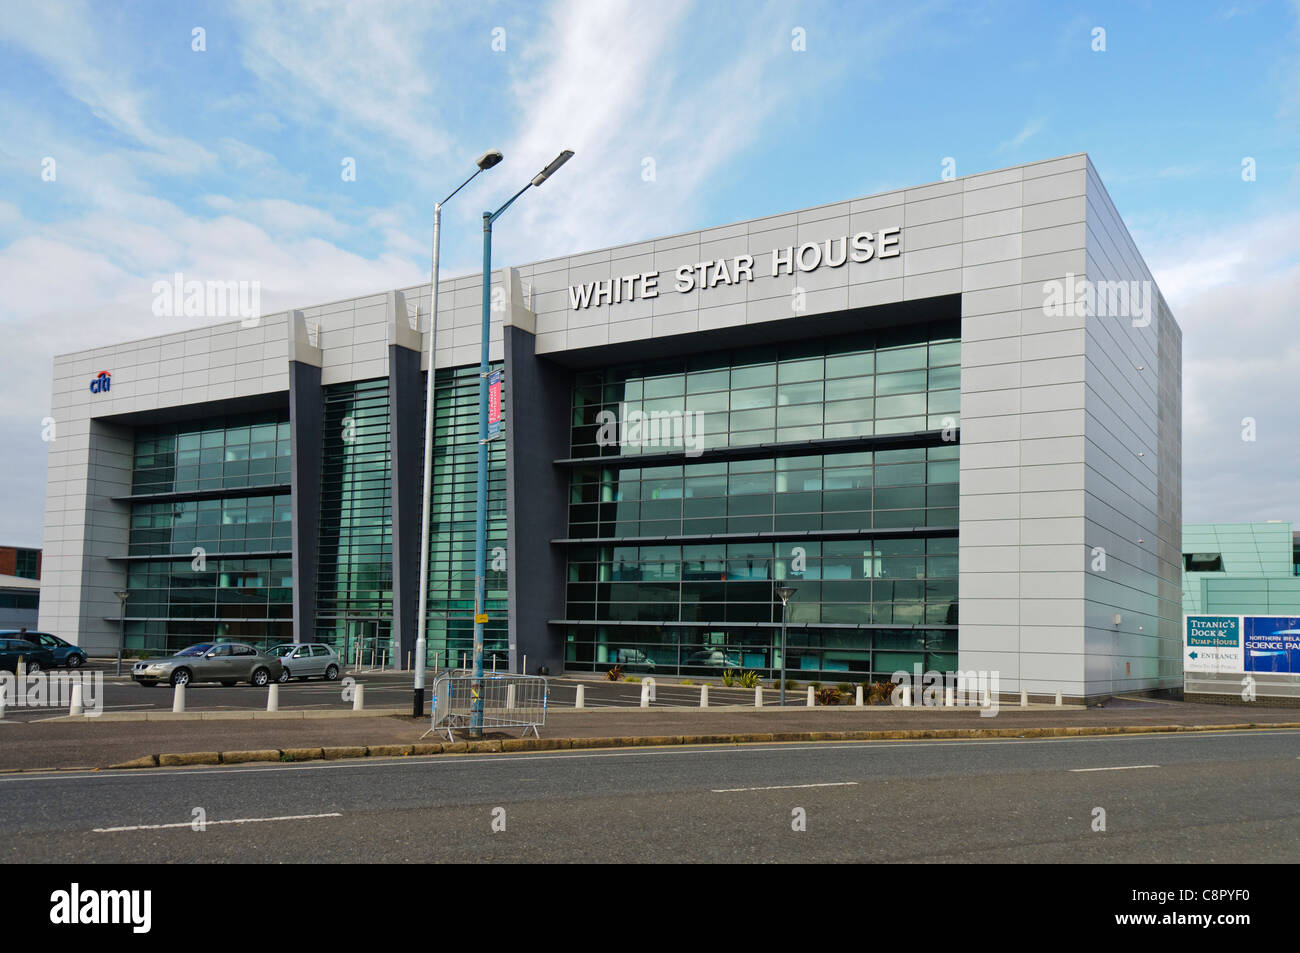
[(1241, 569), (907, 413), (20, 587)]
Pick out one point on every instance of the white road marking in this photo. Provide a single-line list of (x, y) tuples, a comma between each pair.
[(787, 787), (239, 820), (1122, 767)]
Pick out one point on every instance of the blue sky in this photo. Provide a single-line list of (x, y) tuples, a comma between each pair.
[(225, 163)]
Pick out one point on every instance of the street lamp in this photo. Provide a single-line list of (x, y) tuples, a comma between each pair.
[(785, 594), (480, 511), (122, 596), (486, 161)]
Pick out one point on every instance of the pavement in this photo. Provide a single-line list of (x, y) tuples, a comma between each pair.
[(59, 743), (1153, 798)]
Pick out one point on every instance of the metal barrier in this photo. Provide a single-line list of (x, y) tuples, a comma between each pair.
[(509, 701)]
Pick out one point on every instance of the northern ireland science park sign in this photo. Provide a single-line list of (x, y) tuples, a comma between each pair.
[(830, 253)]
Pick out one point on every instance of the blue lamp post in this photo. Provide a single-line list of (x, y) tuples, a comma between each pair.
[(480, 509)]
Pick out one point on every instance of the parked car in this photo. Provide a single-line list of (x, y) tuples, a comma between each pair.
[(713, 658), (224, 662), (634, 659), (34, 656), (306, 660), (65, 653)]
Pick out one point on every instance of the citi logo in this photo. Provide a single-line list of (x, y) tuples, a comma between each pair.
[(99, 383), (77, 906)]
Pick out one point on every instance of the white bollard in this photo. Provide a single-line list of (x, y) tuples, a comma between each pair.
[(3, 698), (359, 698), (857, 699), (581, 700), (273, 696), (646, 687), (1058, 700), (907, 696), (408, 662), (949, 697), (812, 698), (510, 696), (22, 668), (178, 699), (758, 696), (1024, 698), (76, 705), (704, 696), (524, 670)]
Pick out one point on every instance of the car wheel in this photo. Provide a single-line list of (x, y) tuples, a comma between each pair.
[(33, 667), (76, 661), (331, 673), (181, 676), (260, 677), (284, 676)]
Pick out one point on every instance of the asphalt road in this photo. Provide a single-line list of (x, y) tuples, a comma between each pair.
[(383, 690), (1212, 797)]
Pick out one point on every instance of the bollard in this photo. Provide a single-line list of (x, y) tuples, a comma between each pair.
[(758, 696), (178, 699), (581, 700), (510, 696), (704, 696), (524, 670), (359, 698), (4, 697), (408, 662), (21, 668), (949, 697), (273, 696), (1058, 700), (494, 663), (76, 706), (812, 699), (646, 692), (857, 700), (907, 696), (1024, 698)]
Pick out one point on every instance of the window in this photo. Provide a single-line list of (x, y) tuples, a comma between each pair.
[(1203, 562)]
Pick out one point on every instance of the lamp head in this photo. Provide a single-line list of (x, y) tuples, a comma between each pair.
[(558, 161), (488, 159), (785, 593)]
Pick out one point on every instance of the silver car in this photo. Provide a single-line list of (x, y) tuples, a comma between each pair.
[(224, 662), (306, 660)]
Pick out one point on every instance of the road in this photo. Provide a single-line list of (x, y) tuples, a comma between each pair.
[(1211, 797)]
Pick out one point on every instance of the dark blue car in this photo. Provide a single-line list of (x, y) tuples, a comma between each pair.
[(64, 653)]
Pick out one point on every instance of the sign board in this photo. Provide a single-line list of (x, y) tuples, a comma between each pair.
[(494, 405), (1212, 644), (481, 619), (1232, 644), (1271, 643)]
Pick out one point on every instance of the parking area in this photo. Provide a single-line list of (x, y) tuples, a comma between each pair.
[(382, 690)]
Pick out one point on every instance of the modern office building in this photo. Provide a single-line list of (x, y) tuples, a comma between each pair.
[(1241, 569), (20, 587), (948, 416)]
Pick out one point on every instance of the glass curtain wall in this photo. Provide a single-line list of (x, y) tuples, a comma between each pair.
[(673, 565), (355, 569), (210, 560), (451, 530)]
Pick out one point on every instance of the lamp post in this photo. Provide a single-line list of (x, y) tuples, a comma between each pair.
[(480, 510), (122, 596), (486, 161), (785, 594)]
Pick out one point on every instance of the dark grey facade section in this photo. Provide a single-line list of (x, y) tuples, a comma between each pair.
[(406, 430), (306, 409), (536, 405)]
